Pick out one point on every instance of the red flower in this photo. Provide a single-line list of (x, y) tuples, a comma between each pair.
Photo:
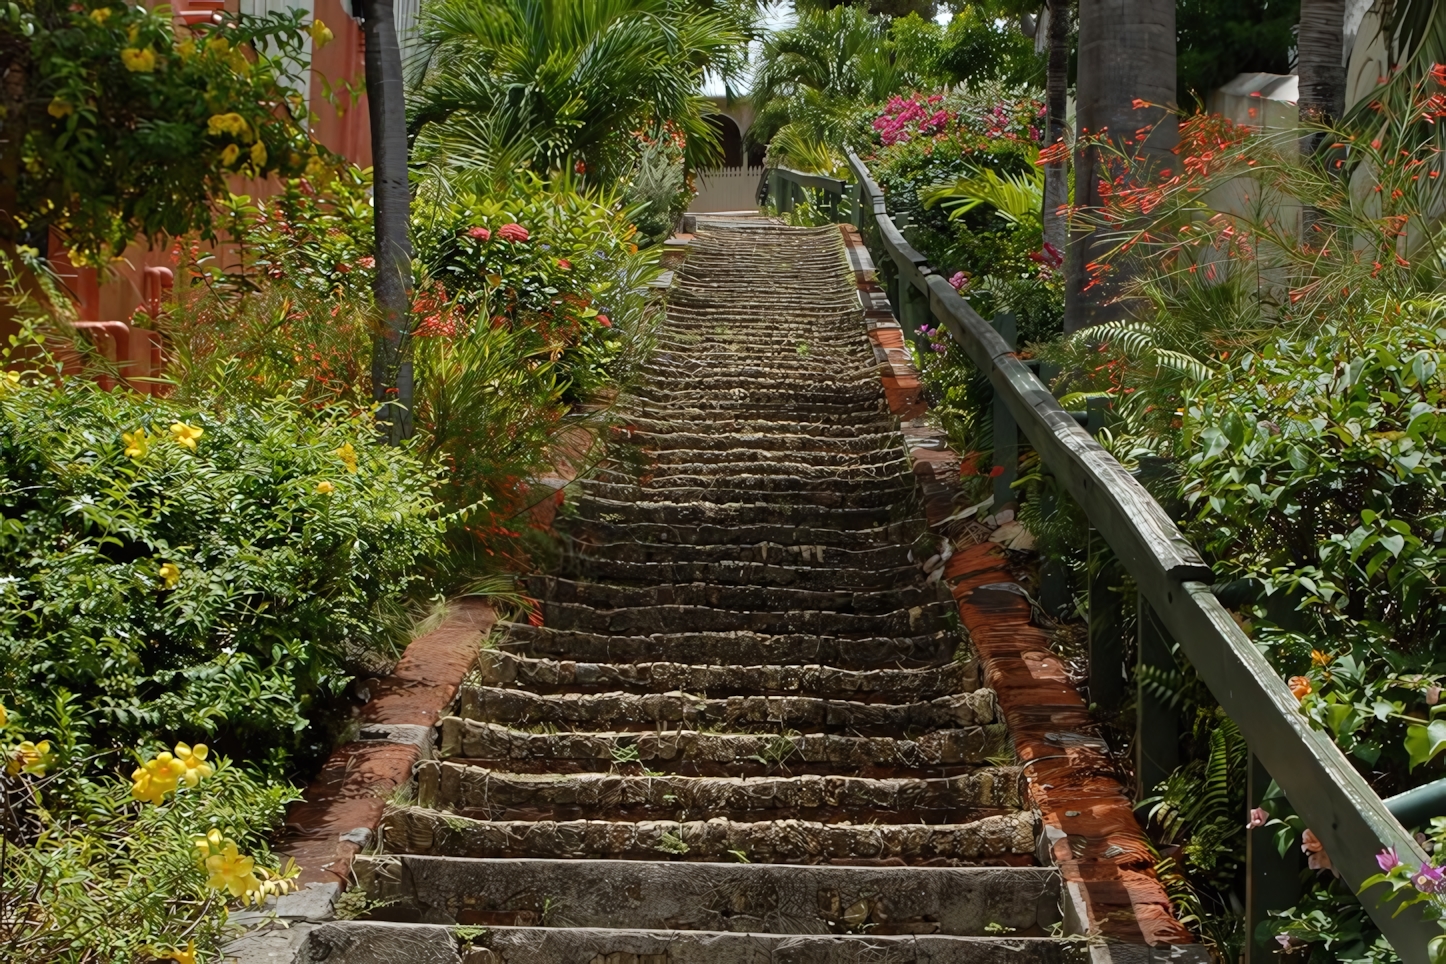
[(480, 233), (579, 168), (564, 264), (996, 471), (513, 232), (367, 261), (344, 268), (605, 321)]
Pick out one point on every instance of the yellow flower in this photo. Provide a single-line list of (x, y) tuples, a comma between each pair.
[(187, 49), (233, 124), (170, 574), (325, 488), (229, 155), (4, 716), (154, 779), (230, 871), (218, 45), (1317, 658), (316, 169), (138, 445), (193, 758), (139, 60), (347, 454), (321, 34), (188, 956), (100, 16), (258, 154), (12, 379), (186, 435), (59, 108), (239, 63), (32, 758)]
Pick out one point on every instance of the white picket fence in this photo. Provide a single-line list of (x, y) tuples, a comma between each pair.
[(727, 189)]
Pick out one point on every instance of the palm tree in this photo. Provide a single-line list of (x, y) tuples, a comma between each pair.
[(1318, 62), (1056, 94), (386, 110), (813, 76), (563, 84), (1126, 54)]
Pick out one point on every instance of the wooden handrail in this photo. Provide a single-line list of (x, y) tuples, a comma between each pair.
[(1336, 803)]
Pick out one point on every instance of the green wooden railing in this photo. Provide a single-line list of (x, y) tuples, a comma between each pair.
[(1176, 599)]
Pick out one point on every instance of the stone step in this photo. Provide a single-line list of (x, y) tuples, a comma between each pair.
[(765, 599), (372, 942), (669, 619), (750, 490), (690, 751), (819, 539), (592, 567), (674, 460), (934, 647), (788, 434), (666, 470), (503, 668), (1007, 839), (747, 898), (861, 411), (714, 357), (492, 704), (733, 514), (502, 794), (880, 558)]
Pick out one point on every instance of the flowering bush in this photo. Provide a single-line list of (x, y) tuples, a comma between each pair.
[(905, 118), (117, 126), (188, 573)]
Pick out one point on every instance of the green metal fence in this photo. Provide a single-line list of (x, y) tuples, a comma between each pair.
[(1176, 599)]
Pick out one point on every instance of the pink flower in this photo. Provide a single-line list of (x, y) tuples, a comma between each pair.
[(1433, 694), (1258, 817), (1316, 857), (367, 261), (605, 321), (958, 282), (1429, 880), (564, 264), (480, 233), (513, 232), (1387, 860)]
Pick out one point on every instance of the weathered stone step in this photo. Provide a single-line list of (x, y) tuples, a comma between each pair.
[(676, 750), (492, 704), (592, 568), (749, 898), (672, 459), (370, 942), (1007, 839), (493, 742), (711, 357), (839, 386), (734, 514), (862, 411), (769, 599), (932, 647), (653, 433), (503, 668), (881, 558), (820, 539), (727, 489), (501, 794), (648, 620)]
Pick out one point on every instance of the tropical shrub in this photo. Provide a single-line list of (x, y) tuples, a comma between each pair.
[(198, 575), (114, 126)]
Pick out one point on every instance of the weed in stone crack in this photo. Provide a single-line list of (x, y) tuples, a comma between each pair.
[(996, 928), (672, 843), (354, 904), (625, 754), (802, 349), (739, 856), (776, 751)]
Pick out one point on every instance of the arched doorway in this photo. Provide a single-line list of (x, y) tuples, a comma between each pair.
[(730, 138)]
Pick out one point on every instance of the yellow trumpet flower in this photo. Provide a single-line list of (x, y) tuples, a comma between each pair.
[(229, 155), (138, 445), (321, 34), (31, 758), (186, 435), (231, 871), (325, 488), (100, 16), (193, 758), (188, 956), (152, 780), (170, 574), (4, 716), (258, 154), (59, 108), (347, 454), (140, 60)]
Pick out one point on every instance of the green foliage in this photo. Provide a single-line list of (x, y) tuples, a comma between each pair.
[(1016, 197), (1216, 41), (977, 48), (217, 588), (87, 874), (122, 128), (563, 84)]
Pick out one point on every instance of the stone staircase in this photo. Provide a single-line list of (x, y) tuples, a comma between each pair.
[(747, 728)]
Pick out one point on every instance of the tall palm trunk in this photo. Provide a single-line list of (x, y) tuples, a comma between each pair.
[(1056, 173), (386, 108), (1126, 52), (1322, 76)]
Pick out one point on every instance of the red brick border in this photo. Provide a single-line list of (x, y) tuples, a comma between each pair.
[(340, 811), (1090, 827)]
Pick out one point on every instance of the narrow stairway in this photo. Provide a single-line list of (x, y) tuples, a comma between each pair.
[(747, 728)]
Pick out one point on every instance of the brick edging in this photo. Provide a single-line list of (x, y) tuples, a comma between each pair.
[(341, 809), (1090, 828)]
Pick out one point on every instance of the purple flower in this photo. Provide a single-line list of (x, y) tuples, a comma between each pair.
[(1429, 879), (1387, 860), (958, 282), (1258, 817)]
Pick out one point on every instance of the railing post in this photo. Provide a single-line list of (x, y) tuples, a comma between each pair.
[(1157, 733), (856, 204), (914, 311), (1006, 431), (1106, 632), (1272, 882), (775, 187)]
